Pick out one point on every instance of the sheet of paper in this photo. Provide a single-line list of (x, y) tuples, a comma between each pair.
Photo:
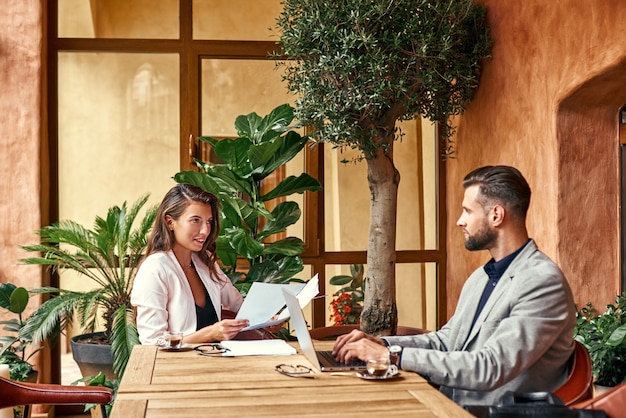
[(257, 348), (310, 290), (265, 300)]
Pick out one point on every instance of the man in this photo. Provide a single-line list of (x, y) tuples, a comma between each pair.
[(513, 326)]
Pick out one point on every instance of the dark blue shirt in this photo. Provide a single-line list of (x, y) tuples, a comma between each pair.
[(494, 270)]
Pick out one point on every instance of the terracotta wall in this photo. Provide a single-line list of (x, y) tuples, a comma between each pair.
[(20, 136), (548, 103)]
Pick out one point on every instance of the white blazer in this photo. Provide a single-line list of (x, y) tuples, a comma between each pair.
[(163, 299)]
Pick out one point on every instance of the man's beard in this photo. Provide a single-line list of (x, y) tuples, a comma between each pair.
[(481, 240)]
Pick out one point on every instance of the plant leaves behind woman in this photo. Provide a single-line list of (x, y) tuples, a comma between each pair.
[(253, 220)]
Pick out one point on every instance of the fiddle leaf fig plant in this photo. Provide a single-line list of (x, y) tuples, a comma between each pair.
[(253, 221)]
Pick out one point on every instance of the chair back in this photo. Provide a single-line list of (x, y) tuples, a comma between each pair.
[(612, 402), (579, 384), (332, 332), (14, 393)]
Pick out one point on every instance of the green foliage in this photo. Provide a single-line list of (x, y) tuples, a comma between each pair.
[(604, 335), (360, 65), (263, 145), (109, 255), (16, 345), (100, 380)]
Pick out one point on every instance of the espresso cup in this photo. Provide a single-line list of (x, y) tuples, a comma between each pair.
[(378, 367), (173, 340)]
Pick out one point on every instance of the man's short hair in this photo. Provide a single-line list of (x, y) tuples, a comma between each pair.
[(501, 184)]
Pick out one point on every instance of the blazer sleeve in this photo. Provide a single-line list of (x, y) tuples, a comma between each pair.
[(150, 297)]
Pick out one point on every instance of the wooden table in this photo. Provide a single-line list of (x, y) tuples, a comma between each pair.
[(158, 383)]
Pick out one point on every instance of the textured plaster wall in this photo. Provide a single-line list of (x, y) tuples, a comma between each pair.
[(548, 103), (20, 136)]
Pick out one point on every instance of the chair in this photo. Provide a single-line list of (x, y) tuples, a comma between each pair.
[(612, 402), (579, 384), (332, 332), (14, 393)]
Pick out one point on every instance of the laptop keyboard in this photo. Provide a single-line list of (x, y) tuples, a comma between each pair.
[(328, 356)]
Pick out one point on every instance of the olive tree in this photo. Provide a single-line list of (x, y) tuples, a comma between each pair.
[(359, 66)]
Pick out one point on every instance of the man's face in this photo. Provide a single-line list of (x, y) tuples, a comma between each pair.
[(478, 233)]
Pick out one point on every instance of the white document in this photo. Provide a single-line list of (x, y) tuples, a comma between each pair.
[(257, 348), (265, 300)]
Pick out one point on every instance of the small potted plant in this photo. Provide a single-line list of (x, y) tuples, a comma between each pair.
[(604, 335), (16, 347), (347, 302)]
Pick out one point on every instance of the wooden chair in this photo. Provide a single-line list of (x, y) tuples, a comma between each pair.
[(612, 402), (18, 393), (579, 384), (332, 332)]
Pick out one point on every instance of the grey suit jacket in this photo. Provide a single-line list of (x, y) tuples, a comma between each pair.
[(521, 341)]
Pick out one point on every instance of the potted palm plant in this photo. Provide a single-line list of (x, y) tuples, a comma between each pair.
[(604, 335), (108, 255)]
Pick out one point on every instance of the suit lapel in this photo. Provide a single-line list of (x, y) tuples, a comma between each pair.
[(498, 294)]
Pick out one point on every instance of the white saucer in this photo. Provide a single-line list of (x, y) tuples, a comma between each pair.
[(184, 347), (366, 376)]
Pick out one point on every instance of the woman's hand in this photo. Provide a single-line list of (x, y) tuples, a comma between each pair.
[(225, 329)]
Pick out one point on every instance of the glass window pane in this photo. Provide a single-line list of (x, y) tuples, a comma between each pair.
[(118, 130), (416, 158), (134, 19), (416, 293), (237, 87), (347, 197), (236, 19)]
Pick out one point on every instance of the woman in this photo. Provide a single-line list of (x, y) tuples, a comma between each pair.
[(179, 286)]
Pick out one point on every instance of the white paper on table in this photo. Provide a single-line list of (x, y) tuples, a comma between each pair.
[(265, 300), (257, 348)]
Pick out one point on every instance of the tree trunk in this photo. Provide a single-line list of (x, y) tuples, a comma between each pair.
[(380, 314)]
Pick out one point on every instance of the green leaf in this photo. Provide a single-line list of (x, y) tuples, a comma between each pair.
[(292, 185), (225, 252), (234, 152), (243, 243), (124, 337), (340, 280), (5, 294), (284, 215), (289, 246), (19, 300), (618, 336)]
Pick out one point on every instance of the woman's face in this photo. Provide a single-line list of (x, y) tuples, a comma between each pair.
[(193, 227)]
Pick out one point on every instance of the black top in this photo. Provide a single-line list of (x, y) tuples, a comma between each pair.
[(206, 316)]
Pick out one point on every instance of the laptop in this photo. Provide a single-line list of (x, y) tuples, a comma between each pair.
[(323, 360)]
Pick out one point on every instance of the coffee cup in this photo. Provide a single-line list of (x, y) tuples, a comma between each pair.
[(380, 367), (173, 340)]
